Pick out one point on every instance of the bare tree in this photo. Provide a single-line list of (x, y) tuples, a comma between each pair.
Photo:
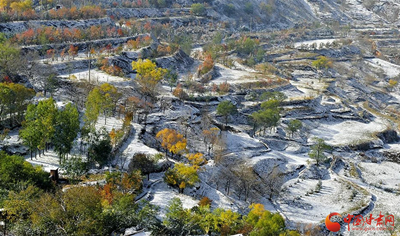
[(273, 182)]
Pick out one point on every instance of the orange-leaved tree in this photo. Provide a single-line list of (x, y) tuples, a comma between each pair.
[(196, 160), (207, 65), (172, 141)]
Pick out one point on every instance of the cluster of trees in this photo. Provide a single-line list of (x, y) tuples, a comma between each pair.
[(248, 48), (23, 10), (139, 42), (16, 173), (268, 116), (172, 141), (221, 88), (110, 69), (10, 59), (201, 220), (143, 4), (78, 210), (74, 13), (50, 34), (35, 208), (236, 177), (45, 124), (185, 175), (101, 100), (14, 99)]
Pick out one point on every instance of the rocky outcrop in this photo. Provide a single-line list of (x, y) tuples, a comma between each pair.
[(179, 61)]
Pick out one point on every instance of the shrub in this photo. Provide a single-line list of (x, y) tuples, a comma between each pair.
[(198, 9), (180, 93), (322, 63)]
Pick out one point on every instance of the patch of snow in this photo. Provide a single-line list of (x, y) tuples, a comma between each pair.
[(316, 42), (390, 69), (347, 132)]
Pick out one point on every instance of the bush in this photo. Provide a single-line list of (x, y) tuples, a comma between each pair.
[(229, 9), (180, 93), (249, 8), (198, 9), (322, 63), (207, 65)]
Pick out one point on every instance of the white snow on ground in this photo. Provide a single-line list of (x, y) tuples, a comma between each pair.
[(99, 76), (298, 207), (384, 174), (390, 69), (316, 42), (135, 145), (163, 194), (308, 83), (234, 76), (348, 132), (49, 161), (300, 159), (109, 123)]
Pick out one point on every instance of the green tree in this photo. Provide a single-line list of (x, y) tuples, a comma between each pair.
[(265, 222), (38, 128), (74, 167), (14, 99), (225, 109), (93, 107), (268, 118), (177, 219), (14, 170), (142, 162), (46, 112), (19, 203), (66, 130), (100, 148), (9, 60), (248, 8), (322, 63), (198, 9), (101, 100), (31, 132), (294, 126), (172, 77), (318, 149)]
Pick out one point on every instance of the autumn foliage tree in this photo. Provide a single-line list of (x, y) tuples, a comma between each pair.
[(207, 65), (148, 76), (181, 176), (172, 141), (210, 138)]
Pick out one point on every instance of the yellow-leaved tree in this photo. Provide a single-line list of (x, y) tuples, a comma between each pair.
[(148, 76), (196, 160), (172, 141), (182, 176)]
